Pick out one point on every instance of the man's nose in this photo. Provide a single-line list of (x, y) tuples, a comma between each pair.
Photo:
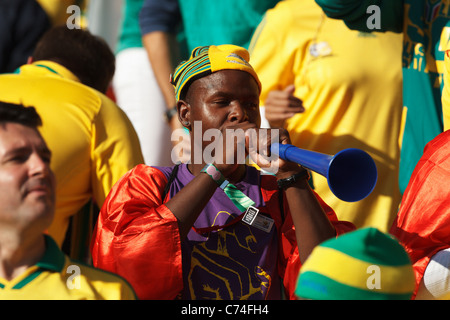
[(238, 112), (38, 165)]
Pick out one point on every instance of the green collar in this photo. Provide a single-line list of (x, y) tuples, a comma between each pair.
[(48, 68), (53, 258)]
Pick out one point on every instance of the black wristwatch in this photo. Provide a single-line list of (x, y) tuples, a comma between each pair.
[(286, 183), (169, 114)]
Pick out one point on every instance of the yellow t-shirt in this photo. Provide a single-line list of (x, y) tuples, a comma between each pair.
[(56, 277), (351, 87), (93, 143), (446, 90)]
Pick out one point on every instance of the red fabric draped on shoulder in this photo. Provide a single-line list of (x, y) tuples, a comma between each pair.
[(423, 223), (137, 237)]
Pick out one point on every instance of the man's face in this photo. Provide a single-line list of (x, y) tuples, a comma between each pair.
[(27, 184), (227, 99), (224, 99)]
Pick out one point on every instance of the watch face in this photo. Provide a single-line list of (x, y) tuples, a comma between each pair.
[(213, 172)]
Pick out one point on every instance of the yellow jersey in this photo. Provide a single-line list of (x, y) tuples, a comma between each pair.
[(93, 143), (56, 277)]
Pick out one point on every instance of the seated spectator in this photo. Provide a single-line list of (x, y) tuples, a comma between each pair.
[(184, 231), (31, 264)]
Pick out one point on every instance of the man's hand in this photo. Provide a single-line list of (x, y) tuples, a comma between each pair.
[(282, 105), (258, 145)]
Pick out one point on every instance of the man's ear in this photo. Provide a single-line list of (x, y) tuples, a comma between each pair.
[(184, 113), (30, 60)]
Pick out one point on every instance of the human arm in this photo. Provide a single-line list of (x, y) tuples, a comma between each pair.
[(289, 262), (310, 219), (189, 202), (158, 22), (308, 222), (356, 13), (312, 226), (311, 223)]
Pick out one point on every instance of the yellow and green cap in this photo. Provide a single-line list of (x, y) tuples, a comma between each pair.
[(207, 60), (365, 264)]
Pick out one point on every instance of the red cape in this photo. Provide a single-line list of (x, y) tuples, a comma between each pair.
[(423, 222)]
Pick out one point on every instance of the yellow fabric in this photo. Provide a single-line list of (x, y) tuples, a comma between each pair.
[(355, 273), (351, 87), (225, 57), (92, 141), (446, 90), (49, 286), (57, 9), (74, 281)]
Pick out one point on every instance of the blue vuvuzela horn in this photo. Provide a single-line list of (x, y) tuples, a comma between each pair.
[(351, 173)]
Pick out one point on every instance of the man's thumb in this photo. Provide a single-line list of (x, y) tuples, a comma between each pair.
[(290, 89)]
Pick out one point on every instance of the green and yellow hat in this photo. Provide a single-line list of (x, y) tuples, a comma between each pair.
[(208, 59), (365, 264)]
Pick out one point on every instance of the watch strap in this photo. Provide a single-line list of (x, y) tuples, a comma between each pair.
[(285, 183), (170, 113)]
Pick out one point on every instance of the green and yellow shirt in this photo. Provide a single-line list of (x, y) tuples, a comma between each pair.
[(57, 277)]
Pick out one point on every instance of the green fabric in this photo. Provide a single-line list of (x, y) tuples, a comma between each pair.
[(371, 246), (239, 199), (354, 13), (315, 286), (130, 32), (222, 22), (28, 279), (421, 126), (353, 253), (53, 259)]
